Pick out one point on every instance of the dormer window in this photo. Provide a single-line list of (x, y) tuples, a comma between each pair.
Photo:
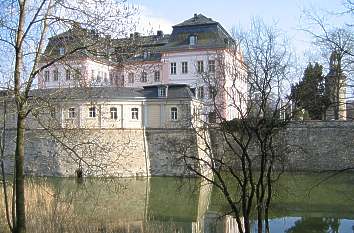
[(61, 51), (162, 91), (192, 40), (145, 55)]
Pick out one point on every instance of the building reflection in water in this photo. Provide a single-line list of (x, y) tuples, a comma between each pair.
[(148, 205)]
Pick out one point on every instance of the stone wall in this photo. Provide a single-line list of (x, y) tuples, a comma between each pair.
[(159, 152), (308, 146), (96, 152), (105, 152), (320, 145)]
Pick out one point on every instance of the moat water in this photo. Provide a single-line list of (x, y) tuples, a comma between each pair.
[(302, 203)]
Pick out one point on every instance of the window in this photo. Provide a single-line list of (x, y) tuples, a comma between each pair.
[(46, 76), (92, 75), (143, 78), (162, 92), (67, 74), (212, 92), (192, 40), (200, 66), (200, 92), (173, 67), (56, 75), (135, 113), (146, 55), (92, 112), (184, 67), (77, 74), (212, 117), (111, 79), (99, 76), (174, 113), (131, 78), (157, 76), (52, 112), (211, 66), (105, 78), (72, 113), (114, 113), (61, 51)]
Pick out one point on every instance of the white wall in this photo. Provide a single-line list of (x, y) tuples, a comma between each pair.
[(191, 78), (137, 69), (85, 68), (151, 114)]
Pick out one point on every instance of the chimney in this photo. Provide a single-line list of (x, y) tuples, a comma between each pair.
[(159, 34), (195, 15)]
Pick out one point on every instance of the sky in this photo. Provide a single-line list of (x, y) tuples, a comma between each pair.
[(287, 14)]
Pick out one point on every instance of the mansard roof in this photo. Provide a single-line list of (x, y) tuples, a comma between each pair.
[(88, 93), (209, 35), (198, 19), (175, 91)]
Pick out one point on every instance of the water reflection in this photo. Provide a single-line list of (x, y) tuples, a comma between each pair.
[(315, 225), (171, 205)]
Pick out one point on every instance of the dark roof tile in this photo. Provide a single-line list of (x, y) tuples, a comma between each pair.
[(88, 93), (196, 20)]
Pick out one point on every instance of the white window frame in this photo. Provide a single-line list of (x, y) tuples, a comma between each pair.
[(92, 112), (53, 112), (157, 76), (173, 67), (131, 78), (200, 66), (143, 77), (212, 92), (105, 80), (61, 51), (71, 113), (67, 74), (114, 113), (201, 93), (93, 75), (174, 113), (46, 75), (162, 91), (111, 78), (77, 74), (192, 40), (211, 66), (184, 67), (99, 77), (134, 113), (56, 75)]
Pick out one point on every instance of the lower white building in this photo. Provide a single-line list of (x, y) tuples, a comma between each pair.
[(160, 106)]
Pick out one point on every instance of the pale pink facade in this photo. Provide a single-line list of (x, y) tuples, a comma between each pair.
[(80, 73), (202, 65)]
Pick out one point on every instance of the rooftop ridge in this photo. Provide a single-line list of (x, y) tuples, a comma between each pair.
[(197, 19)]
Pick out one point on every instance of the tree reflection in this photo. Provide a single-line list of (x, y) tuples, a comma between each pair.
[(315, 225)]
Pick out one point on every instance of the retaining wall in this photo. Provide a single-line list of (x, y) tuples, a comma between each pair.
[(135, 152)]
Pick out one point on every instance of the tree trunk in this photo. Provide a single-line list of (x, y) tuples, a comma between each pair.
[(20, 226)]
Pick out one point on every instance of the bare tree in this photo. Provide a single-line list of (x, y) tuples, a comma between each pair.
[(25, 27), (245, 155), (336, 45)]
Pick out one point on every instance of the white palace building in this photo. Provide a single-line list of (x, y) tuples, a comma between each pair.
[(156, 81)]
